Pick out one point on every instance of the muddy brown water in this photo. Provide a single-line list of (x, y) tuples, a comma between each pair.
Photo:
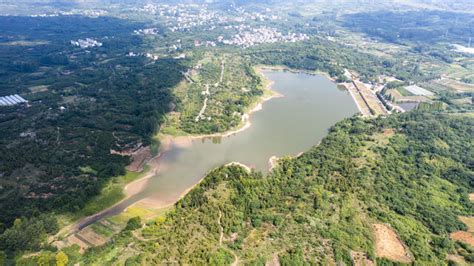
[(285, 126)]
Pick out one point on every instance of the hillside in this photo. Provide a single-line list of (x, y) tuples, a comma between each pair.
[(401, 181)]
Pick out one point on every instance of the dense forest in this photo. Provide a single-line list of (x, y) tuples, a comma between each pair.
[(413, 171), (427, 27), (332, 58), (55, 152)]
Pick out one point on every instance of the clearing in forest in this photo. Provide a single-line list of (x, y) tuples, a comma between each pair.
[(469, 221), (388, 245), (465, 236)]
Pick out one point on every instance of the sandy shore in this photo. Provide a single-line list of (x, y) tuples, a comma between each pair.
[(273, 161), (159, 203), (247, 168), (246, 123)]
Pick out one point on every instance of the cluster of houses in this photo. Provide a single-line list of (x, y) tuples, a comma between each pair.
[(11, 100), (93, 13), (148, 31), (254, 36), (86, 43), (184, 17), (151, 56)]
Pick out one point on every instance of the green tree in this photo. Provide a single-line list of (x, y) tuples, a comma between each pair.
[(44, 259), (134, 223), (61, 259)]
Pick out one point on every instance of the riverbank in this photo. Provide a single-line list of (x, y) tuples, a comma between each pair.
[(169, 143), (159, 204), (183, 141), (153, 166), (273, 161), (256, 106)]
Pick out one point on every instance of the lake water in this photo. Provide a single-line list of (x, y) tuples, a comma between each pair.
[(285, 126)]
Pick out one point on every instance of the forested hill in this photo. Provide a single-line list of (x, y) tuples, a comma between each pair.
[(410, 173), (55, 153)]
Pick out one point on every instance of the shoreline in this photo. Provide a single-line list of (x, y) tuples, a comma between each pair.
[(156, 204), (168, 140), (314, 73), (268, 94), (136, 186), (246, 167), (297, 71), (273, 161)]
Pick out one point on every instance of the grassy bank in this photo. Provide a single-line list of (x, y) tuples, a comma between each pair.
[(111, 194)]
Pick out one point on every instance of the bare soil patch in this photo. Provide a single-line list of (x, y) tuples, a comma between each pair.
[(74, 240), (274, 261), (471, 196), (463, 236), (389, 132), (388, 244), (89, 236), (139, 159), (40, 88), (469, 221)]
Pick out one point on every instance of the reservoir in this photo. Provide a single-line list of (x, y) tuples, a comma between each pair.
[(286, 126)]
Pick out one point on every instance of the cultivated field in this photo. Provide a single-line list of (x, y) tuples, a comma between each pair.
[(456, 85), (398, 97)]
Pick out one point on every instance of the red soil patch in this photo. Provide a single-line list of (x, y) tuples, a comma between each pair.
[(388, 245), (463, 236), (389, 132)]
